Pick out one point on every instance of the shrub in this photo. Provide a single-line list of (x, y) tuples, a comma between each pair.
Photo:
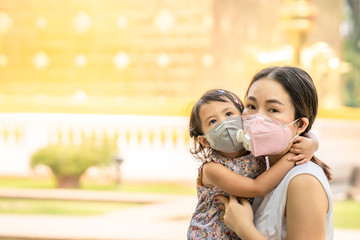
[(69, 162)]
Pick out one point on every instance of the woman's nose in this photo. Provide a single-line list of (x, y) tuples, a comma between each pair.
[(260, 111)]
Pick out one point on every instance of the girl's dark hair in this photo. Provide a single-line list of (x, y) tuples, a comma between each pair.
[(301, 89), (195, 128)]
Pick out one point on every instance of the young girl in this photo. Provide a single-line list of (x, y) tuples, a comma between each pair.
[(227, 168)]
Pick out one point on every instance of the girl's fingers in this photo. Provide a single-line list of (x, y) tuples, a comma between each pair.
[(296, 158), (295, 150)]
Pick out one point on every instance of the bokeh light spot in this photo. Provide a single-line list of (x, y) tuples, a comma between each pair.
[(41, 22), (164, 21), (82, 22), (41, 60), (163, 60), (122, 22), (5, 22), (81, 60), (207, 60), (3, 60), (121, 60)]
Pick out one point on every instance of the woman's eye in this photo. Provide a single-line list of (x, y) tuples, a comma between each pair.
[(273, 110), (250, 106)]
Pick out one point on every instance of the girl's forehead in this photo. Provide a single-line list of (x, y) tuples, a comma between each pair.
[(214, 106)]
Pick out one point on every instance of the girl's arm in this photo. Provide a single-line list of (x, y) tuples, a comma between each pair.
[(304, 148), (217, 175), (306, 208)]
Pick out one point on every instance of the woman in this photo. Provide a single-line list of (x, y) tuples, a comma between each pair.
[(300, 207)]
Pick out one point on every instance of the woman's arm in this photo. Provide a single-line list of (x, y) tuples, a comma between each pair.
[(306, 208), (216, 174)]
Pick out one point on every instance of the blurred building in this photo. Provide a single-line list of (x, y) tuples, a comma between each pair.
[(153, 57), (151, 49)]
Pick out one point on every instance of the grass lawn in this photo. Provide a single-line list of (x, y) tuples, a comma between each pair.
[(152, 187), (347, 214), (58, 207)]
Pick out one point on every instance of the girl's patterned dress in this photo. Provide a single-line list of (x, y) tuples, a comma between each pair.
[(207, 220)]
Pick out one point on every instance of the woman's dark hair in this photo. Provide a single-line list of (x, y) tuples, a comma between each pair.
[(195, 128), (302, 92)]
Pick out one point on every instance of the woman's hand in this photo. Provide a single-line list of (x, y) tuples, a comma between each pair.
[(239, 217)]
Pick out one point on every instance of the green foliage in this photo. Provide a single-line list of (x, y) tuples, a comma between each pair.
[(352, 78), (351, 54), (73, 160)]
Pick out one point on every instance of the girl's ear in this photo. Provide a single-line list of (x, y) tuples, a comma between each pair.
[(202, 140), (303, 124)]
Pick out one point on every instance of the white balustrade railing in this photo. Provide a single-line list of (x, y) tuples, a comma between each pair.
[(153, 147)]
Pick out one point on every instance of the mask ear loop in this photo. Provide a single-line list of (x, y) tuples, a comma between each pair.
[(292, 139), (288, 124)]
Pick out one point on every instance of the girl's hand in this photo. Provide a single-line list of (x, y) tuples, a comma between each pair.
[(304, 148), (238, 217)]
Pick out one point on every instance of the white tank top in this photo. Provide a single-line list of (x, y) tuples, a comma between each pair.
[(269, 216)]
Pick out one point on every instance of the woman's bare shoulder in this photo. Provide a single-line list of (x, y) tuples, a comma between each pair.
[(306, 183), (307, 188)]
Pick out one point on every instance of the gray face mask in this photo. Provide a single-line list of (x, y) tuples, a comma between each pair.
[(223, 137)]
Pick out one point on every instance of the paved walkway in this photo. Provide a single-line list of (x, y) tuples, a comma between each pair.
[(163, 217)]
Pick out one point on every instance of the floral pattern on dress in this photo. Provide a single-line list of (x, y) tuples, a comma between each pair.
[(207, 220)]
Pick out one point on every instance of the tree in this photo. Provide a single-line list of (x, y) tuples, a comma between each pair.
[(69, 162), (351, 54)]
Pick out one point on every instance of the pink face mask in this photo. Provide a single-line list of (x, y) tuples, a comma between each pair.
[(265, 136)]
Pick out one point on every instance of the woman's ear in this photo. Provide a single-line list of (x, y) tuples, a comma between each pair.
[(303, 124), (202, 140)]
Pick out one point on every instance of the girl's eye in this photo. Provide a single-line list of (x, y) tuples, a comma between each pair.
[(228, 114), (212, 122)]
